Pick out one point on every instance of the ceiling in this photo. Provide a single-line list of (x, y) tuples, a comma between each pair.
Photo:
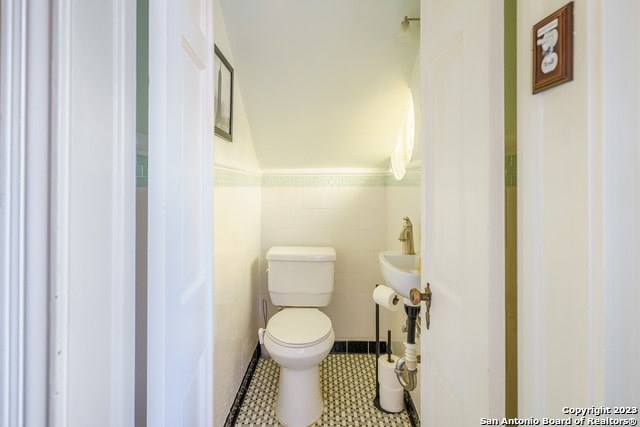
[(324, 82)]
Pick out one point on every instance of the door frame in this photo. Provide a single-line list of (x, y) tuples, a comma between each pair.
[(24, 212), (56, 272), (113, 277)]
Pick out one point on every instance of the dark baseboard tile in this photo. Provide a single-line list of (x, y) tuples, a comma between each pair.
[(411, 409), (244, 386), (372, 347), (339, 347), (357, 347)]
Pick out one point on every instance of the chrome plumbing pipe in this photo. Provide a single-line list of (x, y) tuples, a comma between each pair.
[(407, 367), (407, 378)]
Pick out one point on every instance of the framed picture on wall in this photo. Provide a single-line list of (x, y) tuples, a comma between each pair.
[(223, 96)]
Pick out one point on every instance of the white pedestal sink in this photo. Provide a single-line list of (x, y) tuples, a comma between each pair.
[(400, 272)]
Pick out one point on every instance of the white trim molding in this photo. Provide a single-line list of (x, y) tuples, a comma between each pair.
[(60, 131), (123, 256), (24, 211), (91, 357), (11, 216)]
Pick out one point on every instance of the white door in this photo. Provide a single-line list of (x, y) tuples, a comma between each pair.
[(180, 214), (463, 350)]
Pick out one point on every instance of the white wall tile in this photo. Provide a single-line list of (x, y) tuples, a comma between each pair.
[(236, 284), (350, 219), (358, 222)]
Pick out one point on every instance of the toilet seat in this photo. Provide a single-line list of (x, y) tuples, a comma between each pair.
[(299, 327)]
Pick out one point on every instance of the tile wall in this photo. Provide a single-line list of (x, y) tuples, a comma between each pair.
[(237, 200), (353, 215), (346, 212)]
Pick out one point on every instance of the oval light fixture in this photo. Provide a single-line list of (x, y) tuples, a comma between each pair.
[(403, 151)]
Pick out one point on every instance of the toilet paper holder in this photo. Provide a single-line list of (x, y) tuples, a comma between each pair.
[(376, 400)]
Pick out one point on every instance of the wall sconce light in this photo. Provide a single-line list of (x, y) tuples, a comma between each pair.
[(404, 36)]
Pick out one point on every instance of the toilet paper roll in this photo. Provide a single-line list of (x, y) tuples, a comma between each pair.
[(391, 400), (386, 372), (391, 391), (385, 297)]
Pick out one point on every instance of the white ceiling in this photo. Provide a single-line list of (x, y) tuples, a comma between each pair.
[(324, 82)]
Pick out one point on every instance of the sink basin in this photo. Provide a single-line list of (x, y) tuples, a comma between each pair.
[(400, 271)]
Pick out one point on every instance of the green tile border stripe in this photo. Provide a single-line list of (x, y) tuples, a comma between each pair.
[(224, 177), (231, 178), (339, 181), (411, 179), (326, 181)]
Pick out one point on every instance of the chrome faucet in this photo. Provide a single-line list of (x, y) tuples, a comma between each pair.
[(406, 237)]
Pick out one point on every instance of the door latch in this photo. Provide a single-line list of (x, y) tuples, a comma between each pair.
[(416, 296)]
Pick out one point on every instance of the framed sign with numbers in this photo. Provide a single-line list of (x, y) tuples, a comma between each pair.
[(553, 49)]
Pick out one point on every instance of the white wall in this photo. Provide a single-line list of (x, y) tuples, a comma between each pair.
[(240, 153), (621, 191), (577, 221), (236, 243), (236, 257), (553, 190)]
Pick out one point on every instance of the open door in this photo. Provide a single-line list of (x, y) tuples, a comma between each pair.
[(180, 320), (463, 217)]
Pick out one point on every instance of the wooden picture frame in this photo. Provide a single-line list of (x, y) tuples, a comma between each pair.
[(223, 96), (553, 49)]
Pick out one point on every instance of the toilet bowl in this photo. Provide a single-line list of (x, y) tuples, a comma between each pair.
[(298, 339), (299, 336)]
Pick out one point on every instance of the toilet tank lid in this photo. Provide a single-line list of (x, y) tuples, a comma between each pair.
[(301, 253)]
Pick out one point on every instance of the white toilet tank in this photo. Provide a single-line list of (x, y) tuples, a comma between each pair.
[(300, 276)]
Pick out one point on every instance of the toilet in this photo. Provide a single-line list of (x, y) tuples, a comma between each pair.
[(299, 336)]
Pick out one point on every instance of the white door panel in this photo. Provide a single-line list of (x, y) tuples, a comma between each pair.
[(463, 215), (180, 215)]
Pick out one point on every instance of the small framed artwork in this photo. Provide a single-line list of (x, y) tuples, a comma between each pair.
[(223, 96), (553, 49)]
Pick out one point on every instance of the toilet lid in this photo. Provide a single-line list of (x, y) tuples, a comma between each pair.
[(299, 326)]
